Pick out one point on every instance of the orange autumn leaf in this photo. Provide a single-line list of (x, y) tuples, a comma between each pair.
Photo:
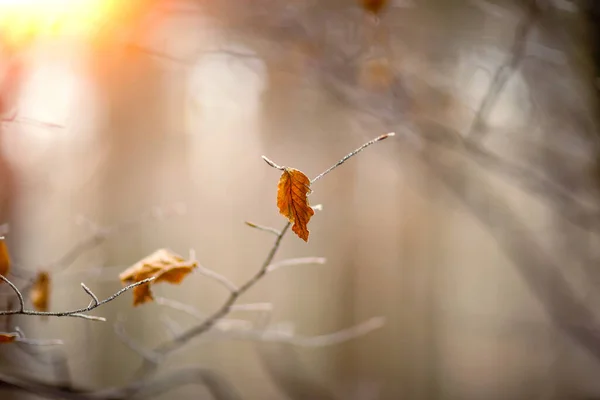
[(292, 199), (40, 292), (164, 265), (8, 337), (4, 258), (142, 294), (175, 274)]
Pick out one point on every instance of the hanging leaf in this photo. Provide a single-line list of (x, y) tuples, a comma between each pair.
[(142, 294), (40, 292), (292, 199), (4, 258), (8, 337), (164, 265)]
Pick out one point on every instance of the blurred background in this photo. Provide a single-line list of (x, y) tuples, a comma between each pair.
[(474, 231)]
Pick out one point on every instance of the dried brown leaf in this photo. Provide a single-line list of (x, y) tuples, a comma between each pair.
[(8, 337), (142, 294), (40, 292), (292, 199), (164, 265), (174, 274), (4, 258)]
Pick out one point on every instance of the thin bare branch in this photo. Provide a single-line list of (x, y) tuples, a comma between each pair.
[(79, 313), (172, 326), (17, 292), (179, 306), (252, 307), (21, 338), (351, 154), (146, 354), (296, 261), (95, 300), (272, 164), (209, 273), (263, 228), (197, 314), (279, 336)]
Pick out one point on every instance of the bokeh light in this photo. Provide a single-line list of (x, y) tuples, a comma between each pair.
[(22, 21)]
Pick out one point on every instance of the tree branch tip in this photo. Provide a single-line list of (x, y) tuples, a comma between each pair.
[(95, 299), (88, 317), (263, 228), (272, 164), (318, 207)]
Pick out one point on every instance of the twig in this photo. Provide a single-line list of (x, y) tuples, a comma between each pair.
[(296, 261), (263, 228), (79, 313), (329, 339), (172, 326), (226, 306), (176, 305), (209, 273), (95, 300), (146, 354), (272, 164), (252, 307), (317, 207), (19, 337), (351, 154), (17, 292), (194, 312), (36, 342)]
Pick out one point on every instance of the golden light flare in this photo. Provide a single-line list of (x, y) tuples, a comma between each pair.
[(24, 20)]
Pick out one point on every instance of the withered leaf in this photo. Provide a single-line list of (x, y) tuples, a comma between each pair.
[(163, 264), (8, 337), (40, 292), (142, 294), (292, 199), (4, 259)]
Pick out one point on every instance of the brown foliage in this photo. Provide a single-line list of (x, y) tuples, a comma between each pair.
[(164, 265), (8, 337), (292, 200), (40, 292)]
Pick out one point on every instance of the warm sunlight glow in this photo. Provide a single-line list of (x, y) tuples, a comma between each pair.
[(23, 20)]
